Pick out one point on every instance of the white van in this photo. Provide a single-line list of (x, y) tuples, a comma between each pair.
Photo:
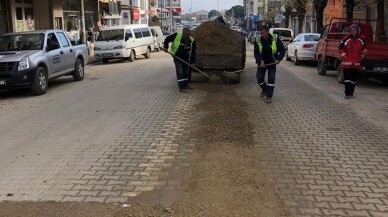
[(120, 42), (158, 37), (284, 34)]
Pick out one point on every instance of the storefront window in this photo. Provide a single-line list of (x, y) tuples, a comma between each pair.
[(24, 15), (72, 16)]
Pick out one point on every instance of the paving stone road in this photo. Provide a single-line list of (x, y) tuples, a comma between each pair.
[(115, 134), (322, 156), (101, 140)]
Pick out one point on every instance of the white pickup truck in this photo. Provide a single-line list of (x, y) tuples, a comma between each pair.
[(31, 59)]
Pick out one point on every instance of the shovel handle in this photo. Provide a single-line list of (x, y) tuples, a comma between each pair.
[(191, 66), (242, 70)]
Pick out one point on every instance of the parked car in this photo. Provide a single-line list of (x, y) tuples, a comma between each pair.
[(158, 37), (375, 63), (121, 42), (165, 32), (285, 35), (31, 59), (250, 35), (254, 36), (244, 33), (303, 48)]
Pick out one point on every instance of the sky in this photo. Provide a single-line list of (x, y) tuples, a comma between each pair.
[(208, 5)]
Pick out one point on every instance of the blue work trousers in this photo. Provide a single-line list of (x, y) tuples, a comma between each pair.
[(268, 88), (182, 74)]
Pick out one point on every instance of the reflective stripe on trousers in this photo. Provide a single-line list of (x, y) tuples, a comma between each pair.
[(182, 72)]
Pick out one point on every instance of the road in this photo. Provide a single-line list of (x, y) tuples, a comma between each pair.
[(125, 133)]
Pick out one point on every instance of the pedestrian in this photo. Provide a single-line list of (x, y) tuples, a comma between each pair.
[(352, 49), (269, 51), (184, 47)]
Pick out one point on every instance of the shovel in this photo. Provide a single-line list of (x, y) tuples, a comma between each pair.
[(191, 66), (214, 78), (234, 72)]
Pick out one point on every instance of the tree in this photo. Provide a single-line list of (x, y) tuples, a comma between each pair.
[(300, 7), (350, 6), (287, 13), (349, 10), (155, 19), (319, 6), (236, 12), (214, 13), (380, 19)]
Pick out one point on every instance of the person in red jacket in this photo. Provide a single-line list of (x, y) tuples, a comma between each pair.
[(352, 49)]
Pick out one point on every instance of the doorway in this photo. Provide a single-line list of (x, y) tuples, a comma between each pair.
[(3, 17)]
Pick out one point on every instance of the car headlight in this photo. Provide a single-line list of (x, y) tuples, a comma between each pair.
[(118, 47), (97, 48), (23, 64)]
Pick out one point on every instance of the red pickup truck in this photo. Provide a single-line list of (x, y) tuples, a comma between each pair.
[(375, 63)]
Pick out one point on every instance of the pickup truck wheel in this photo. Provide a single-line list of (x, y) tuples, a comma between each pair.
[(105, 60), (340, 74), (322, 67), (148, 54), (40, 84), (296, 60), (79, 73), (132, 56)]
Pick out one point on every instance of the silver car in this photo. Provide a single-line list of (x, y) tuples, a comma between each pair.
[(303, 48)]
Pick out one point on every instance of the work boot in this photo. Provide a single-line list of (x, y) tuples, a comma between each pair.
[(348, 97), (268, 100), (188, 87), (183, 90)]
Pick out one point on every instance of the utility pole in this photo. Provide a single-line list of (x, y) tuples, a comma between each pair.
[(171, 16), (313, 19), (190, 11), (83, 31), (161, 14)]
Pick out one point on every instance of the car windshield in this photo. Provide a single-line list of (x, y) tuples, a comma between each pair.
[(109, 35), (282, 32), (21, 42), (311, 37)]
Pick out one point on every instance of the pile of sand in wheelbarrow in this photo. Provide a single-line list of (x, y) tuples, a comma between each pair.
[(219, 47), (213, 37)]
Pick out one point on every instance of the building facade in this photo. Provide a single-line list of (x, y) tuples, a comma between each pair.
[(28, 15), (170, 11)]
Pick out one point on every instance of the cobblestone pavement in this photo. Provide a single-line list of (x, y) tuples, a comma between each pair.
[(115, 135), (323, 157), (104, 139)]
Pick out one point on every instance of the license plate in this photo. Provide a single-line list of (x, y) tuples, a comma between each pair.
[(380, 69), (2, 82), (106, 55)]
